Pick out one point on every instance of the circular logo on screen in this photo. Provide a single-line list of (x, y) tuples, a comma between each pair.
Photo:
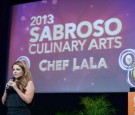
[(25, 59), (127, 62)]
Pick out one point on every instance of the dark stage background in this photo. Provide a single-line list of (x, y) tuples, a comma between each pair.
[(47, 103)]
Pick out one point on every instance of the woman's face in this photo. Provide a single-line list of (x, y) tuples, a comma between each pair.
[(17, 71)]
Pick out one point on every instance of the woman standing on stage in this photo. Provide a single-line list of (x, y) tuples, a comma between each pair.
[(19, 91)]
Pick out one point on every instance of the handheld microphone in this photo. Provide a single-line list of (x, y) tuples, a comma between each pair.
[(9, 87)]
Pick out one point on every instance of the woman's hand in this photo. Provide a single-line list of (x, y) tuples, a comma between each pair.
[(12, 83)]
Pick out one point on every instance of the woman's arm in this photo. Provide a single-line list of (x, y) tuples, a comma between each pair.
[(28, 95), (4, 97)]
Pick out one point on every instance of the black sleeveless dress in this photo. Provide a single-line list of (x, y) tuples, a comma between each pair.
[(15, 105)]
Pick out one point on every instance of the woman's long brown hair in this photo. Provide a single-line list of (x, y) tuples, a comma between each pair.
[(23, 80)]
